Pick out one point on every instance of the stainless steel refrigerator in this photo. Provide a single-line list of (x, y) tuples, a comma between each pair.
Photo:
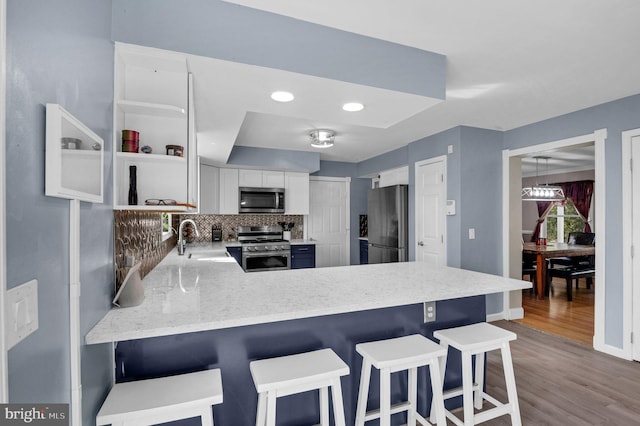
[(388, 224)]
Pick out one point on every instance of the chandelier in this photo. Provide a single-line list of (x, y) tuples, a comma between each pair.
[(544, 192)]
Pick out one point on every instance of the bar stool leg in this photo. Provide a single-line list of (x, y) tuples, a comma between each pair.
[(324, 406), (467, 388), (338, 406), (271, 408), (206, 417), (479, 380), (443, 367), (363, 393), (261, 417), (510, 381), (412, 395), (437, 400), (385, 397)]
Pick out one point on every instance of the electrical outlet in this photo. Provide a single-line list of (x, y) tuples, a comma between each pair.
[(429, 311)]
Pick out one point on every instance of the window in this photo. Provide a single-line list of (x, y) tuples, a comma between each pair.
[(167, 231), (562, 220)]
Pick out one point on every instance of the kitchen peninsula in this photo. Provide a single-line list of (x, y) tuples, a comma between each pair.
[(201, 310)]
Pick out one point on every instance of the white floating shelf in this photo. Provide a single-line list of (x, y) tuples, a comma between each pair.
[(141, 157), (146, 108), (164, 208)]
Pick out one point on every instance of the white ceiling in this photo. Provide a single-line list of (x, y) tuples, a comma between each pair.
[(509, 64)]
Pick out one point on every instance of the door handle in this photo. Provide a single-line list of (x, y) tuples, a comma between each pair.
[(420, 243)]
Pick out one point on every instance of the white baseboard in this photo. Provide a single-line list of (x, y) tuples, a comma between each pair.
[(512, 314), (611, 350), (496, 317)]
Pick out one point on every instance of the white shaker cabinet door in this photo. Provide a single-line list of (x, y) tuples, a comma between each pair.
[(228, 191), (296, 193), (209, 190)]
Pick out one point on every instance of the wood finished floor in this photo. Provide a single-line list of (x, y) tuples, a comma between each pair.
[(555, 315), (561, 382), (561, 379)]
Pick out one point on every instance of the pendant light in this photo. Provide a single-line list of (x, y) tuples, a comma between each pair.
[(544, 192)]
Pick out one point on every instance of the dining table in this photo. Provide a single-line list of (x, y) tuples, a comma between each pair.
[(543, 252)]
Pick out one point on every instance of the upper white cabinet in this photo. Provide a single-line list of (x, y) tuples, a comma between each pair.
[(219, 188), (296, 185), (229, 191), (260, 178), (153, 96), (399, 176), (209, 190)]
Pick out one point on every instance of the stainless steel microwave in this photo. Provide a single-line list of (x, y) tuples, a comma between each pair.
[(261, 200)]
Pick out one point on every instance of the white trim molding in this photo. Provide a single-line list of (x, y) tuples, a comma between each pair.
[(629, 293), (597, 138), (4, 371)]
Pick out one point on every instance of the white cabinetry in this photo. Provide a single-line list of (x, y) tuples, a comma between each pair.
[(260, 178), (399, 176), (209, 189), (152, 96), (296, 186), (228, 191)]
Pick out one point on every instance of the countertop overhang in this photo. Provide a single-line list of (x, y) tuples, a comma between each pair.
[(210, 291)]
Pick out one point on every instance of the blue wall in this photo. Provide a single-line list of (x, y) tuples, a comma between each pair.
[(616, 117), (58, 52)]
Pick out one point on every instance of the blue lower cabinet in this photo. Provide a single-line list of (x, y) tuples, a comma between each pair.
[(364, 252), (236, 253), (303, 256)]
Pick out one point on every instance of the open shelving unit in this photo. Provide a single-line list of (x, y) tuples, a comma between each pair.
[(151, 96)]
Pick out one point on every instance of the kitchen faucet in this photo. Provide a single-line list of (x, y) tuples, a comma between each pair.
[(181, 244)]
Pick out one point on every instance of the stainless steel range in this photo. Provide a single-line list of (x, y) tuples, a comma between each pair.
[(263, 248)]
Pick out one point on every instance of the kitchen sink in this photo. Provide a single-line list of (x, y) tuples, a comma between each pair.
[(211, 257)]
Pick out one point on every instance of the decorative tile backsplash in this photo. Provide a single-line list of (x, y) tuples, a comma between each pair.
[(138, 235), (229, 225)]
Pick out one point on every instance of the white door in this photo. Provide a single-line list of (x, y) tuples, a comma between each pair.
[(430, 214), (328, 222)]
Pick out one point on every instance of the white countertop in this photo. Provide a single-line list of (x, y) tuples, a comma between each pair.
[(211, 291)]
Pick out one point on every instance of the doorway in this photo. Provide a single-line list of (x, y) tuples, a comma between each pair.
[(328, 222), (512, 225)]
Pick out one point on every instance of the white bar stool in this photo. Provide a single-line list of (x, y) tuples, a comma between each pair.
[(477, 339), (153, 401), (287, 375), (398, 354)]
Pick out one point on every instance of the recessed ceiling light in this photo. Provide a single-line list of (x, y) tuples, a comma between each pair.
[(282, 96), (353, 106)]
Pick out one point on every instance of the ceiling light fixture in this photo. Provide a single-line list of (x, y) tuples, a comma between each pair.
[(544, 192), (353, 107), (322, 138), (281, 96)]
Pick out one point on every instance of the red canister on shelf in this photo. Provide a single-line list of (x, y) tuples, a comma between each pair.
[(130, 139)]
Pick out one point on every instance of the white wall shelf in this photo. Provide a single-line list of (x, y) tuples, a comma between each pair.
[(147, 108), (141, 157)]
